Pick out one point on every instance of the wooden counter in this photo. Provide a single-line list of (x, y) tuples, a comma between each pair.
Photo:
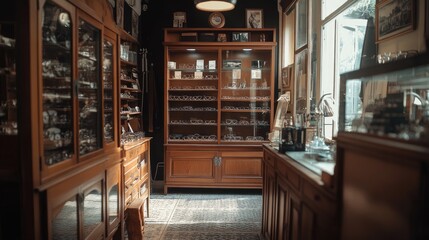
[(296, 202)]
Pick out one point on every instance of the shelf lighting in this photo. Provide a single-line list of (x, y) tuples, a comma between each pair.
[(215, 5), (191, 49), (247, 49)]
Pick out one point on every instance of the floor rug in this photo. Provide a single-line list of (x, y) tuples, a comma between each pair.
[(204, 214)]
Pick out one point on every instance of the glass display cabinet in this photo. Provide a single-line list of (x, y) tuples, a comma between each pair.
[(89, 87), (390, 100), (246, 100), (218, 106), (8, 97), (383, 149), (57, 75)]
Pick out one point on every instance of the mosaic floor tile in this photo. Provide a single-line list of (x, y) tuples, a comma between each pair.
[(209, 215)]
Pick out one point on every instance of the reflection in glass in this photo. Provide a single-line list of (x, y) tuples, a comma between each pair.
[(89, 88), (92, 209), (394, 102), (65, 224), (108, 91), (57, 84), (113, 203)]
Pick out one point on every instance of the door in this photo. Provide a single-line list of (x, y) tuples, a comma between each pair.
[(241, 167)]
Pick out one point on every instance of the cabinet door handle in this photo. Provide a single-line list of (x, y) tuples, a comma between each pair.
[(217, 161)]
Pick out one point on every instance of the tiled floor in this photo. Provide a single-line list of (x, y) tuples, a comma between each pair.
[(203, 214)]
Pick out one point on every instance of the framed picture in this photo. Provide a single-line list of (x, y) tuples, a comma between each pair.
[(134, 24), (393, 18), (254, 18), (286, 77), (301, 76), (120, 13), (179, 19), (301, 24)]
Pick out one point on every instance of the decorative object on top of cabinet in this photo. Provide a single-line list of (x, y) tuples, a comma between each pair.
[(394, 18), (8, 96), (216, 20), (389, 100), (219, 99), (254, 35), (179, 19), (254, 18)]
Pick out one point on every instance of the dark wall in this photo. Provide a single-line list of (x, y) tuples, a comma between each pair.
[(158, 16)]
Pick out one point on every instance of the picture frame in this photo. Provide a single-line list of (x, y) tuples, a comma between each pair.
[(301, 24), (120, 13), (287, 76), (301, 80), (134, 24), (390, 23), (254, 18), (179, 19)]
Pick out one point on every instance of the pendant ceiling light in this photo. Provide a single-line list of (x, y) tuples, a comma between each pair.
[(215, 5)]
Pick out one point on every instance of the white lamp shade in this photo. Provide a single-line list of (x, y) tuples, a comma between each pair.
[(215, 5)]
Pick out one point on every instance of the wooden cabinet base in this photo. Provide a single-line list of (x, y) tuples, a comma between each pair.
[(135, 219), (212, 166)]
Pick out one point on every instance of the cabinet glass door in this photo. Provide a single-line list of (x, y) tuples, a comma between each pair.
[(92, 209), (65, 223), (57, 84), (8, 97), (89, 93), (245, 95), (108, 77), (192, 96)]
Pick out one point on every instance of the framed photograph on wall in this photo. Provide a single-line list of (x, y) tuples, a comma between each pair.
[(301, 79), (134, 24), (254, 18), (393, 18), (120, 13), (301, 24), (287, 76)]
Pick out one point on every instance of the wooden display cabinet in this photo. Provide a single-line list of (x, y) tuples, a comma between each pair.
[(219, 107)]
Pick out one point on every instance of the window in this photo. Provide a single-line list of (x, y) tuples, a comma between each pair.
[(347, 42)]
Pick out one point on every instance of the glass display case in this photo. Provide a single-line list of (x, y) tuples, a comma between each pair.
[(219, 100), (8, 97), (193, 95), (390, 100), (245, 95), (89, 88), (108, 81), (57, 72)]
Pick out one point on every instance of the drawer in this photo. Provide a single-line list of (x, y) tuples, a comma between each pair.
[(129, 164), (131, 194), (136, 151), (288, 174), (317, 198), (132, 175)]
